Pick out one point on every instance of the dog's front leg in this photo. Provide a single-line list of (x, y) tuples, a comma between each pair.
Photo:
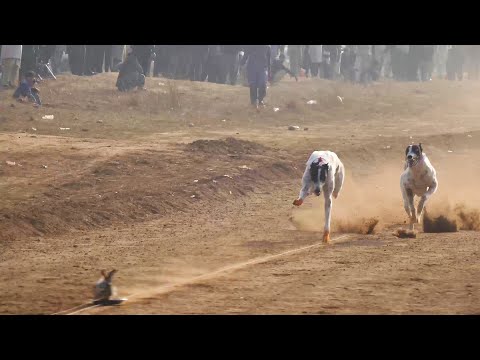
[(423, 200), (306, 184), (328, 215), (405, 201), (411, 204)]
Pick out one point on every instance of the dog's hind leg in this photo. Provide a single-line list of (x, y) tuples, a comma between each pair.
[(339, 177), (424, 199), (328, 215)]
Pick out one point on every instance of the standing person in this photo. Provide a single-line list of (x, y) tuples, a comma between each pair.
[(440, 60), (118, 54), (144, 54), (11, 57), (306, 63), (45, 54), (231, 62), (215, 68), (257, 58), (57, 58), (330, 58), (173, 60), (184, 62), (426, 62), (403, 57), (76, 59), (414, 59), (363, 63), (347, 63), (103, 58), (160, 65), (335, 57), (295, 57), (473, 61), (29, 59), (315, 53), (378, 54), (96, 58), (199, 57), (455, 62), (91, 54), (275, 49)]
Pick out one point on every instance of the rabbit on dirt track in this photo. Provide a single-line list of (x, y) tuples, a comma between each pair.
[(103, 288)]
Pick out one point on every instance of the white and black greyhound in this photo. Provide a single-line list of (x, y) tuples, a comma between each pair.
[(418, 178), (325, 172)]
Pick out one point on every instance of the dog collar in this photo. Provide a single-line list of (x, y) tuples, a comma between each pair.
[(321, 161)]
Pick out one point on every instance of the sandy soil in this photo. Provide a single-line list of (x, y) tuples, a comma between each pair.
[(119, 190)]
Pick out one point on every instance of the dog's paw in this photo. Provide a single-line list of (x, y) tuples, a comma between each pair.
[(298, 202), (335, 195), (326, 237)]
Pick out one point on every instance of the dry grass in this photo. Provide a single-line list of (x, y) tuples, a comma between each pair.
[(173, 96)]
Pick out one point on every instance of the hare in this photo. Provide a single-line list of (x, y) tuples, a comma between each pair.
[(103, 288)]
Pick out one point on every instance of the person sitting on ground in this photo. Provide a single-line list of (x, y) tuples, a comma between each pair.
[(131, 74), (27, 90), (279, 69)]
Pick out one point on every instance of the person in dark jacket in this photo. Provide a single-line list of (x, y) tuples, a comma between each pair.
[(145, 54), (27, 91), (347, 64), (131, 74), (91, 60), (102, 58), (76, 59), (257, 59), (216, 70), (160, 65), (278, 69), (231, 62), (29, 59), (330, 59), (307, 61)]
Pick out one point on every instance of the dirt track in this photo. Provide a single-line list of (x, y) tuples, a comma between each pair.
[(117, 192)]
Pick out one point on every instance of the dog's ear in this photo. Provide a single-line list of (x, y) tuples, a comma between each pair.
[(407, 150), (104, 274), (420, 146)]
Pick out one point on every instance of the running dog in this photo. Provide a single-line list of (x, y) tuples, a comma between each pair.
[(325, 172), (418, 178)]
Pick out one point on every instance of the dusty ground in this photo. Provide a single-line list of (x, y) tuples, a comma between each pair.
[(118, 190)]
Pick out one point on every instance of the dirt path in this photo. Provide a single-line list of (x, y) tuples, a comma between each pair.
[(360, 275), (132, 186)]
